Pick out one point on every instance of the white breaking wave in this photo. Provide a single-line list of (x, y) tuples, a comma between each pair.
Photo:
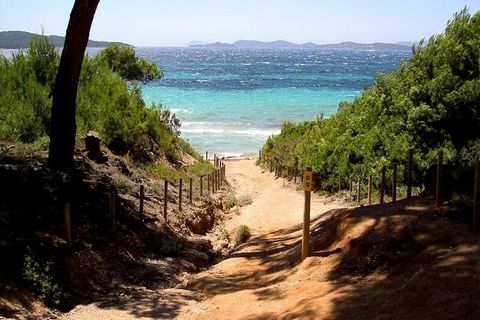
[(203, 130), (256, 132), (247, 132), (178, 110)]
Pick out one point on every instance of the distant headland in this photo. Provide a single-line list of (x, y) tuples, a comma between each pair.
[(22, 39), (281, 44)]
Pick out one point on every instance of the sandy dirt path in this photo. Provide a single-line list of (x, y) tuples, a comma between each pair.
[(260, 280)]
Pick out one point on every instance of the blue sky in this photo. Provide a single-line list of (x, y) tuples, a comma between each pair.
[(174, 23)]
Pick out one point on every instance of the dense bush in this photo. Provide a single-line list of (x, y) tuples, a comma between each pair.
[(124, 61), (431, 103), (106, 102)]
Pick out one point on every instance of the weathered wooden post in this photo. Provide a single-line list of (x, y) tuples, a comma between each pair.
[(394, 182), (180, 194), (476, 197), (369, 189), (217, 173), (358, 190), (206, 155), (142, 195), (307, 178), (438, 189), (213, 181), (382, 187), (201, 186), (409, 172), (165, 199), (68, 223), (208, 182), (215, 159), (191, 190)]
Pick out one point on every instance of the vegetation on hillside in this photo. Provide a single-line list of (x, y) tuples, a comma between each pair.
[(106, 103), (22, 39), (431, 103)]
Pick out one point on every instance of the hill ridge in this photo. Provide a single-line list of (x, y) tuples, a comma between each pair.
[(283, 44), (22, 39)]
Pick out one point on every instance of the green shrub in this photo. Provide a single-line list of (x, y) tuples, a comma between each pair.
[(230, 201), (200, 168), (39, 275), (244, 201), (242, 234), (162, 171), (123, 60)]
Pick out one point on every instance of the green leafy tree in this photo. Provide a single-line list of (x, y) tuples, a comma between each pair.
[(124, 62)]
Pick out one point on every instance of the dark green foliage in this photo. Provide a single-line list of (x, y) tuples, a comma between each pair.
[(124, 61), (431, 103), (105, 103), (40, 275)]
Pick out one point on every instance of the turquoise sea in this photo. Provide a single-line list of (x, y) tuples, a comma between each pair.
[(231, 100)]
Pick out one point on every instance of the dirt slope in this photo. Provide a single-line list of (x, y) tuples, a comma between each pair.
[(402, 261)]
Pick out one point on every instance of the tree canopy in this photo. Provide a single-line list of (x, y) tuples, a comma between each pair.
[(124, 62)]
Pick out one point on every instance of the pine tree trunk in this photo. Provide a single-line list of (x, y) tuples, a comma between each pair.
[(63, 126)]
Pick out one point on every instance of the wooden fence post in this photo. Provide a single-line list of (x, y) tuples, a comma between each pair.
[(369, 189), (208, 183), (201, 186), (358, 190), (476, 204), (438, 189), (306, 212), (409, 172), (206, 155), (394, 183), (142, 195), (68, 223), (213, 181), (180, 195), (191, 190), (165, 199), (382, 187)]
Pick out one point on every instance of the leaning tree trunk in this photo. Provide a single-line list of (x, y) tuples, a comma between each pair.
[(63, 126)]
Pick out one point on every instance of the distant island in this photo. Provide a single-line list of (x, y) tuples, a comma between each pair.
[(281, 44), (22, 39)]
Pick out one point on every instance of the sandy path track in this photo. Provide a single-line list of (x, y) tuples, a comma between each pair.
[(259, 280)]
